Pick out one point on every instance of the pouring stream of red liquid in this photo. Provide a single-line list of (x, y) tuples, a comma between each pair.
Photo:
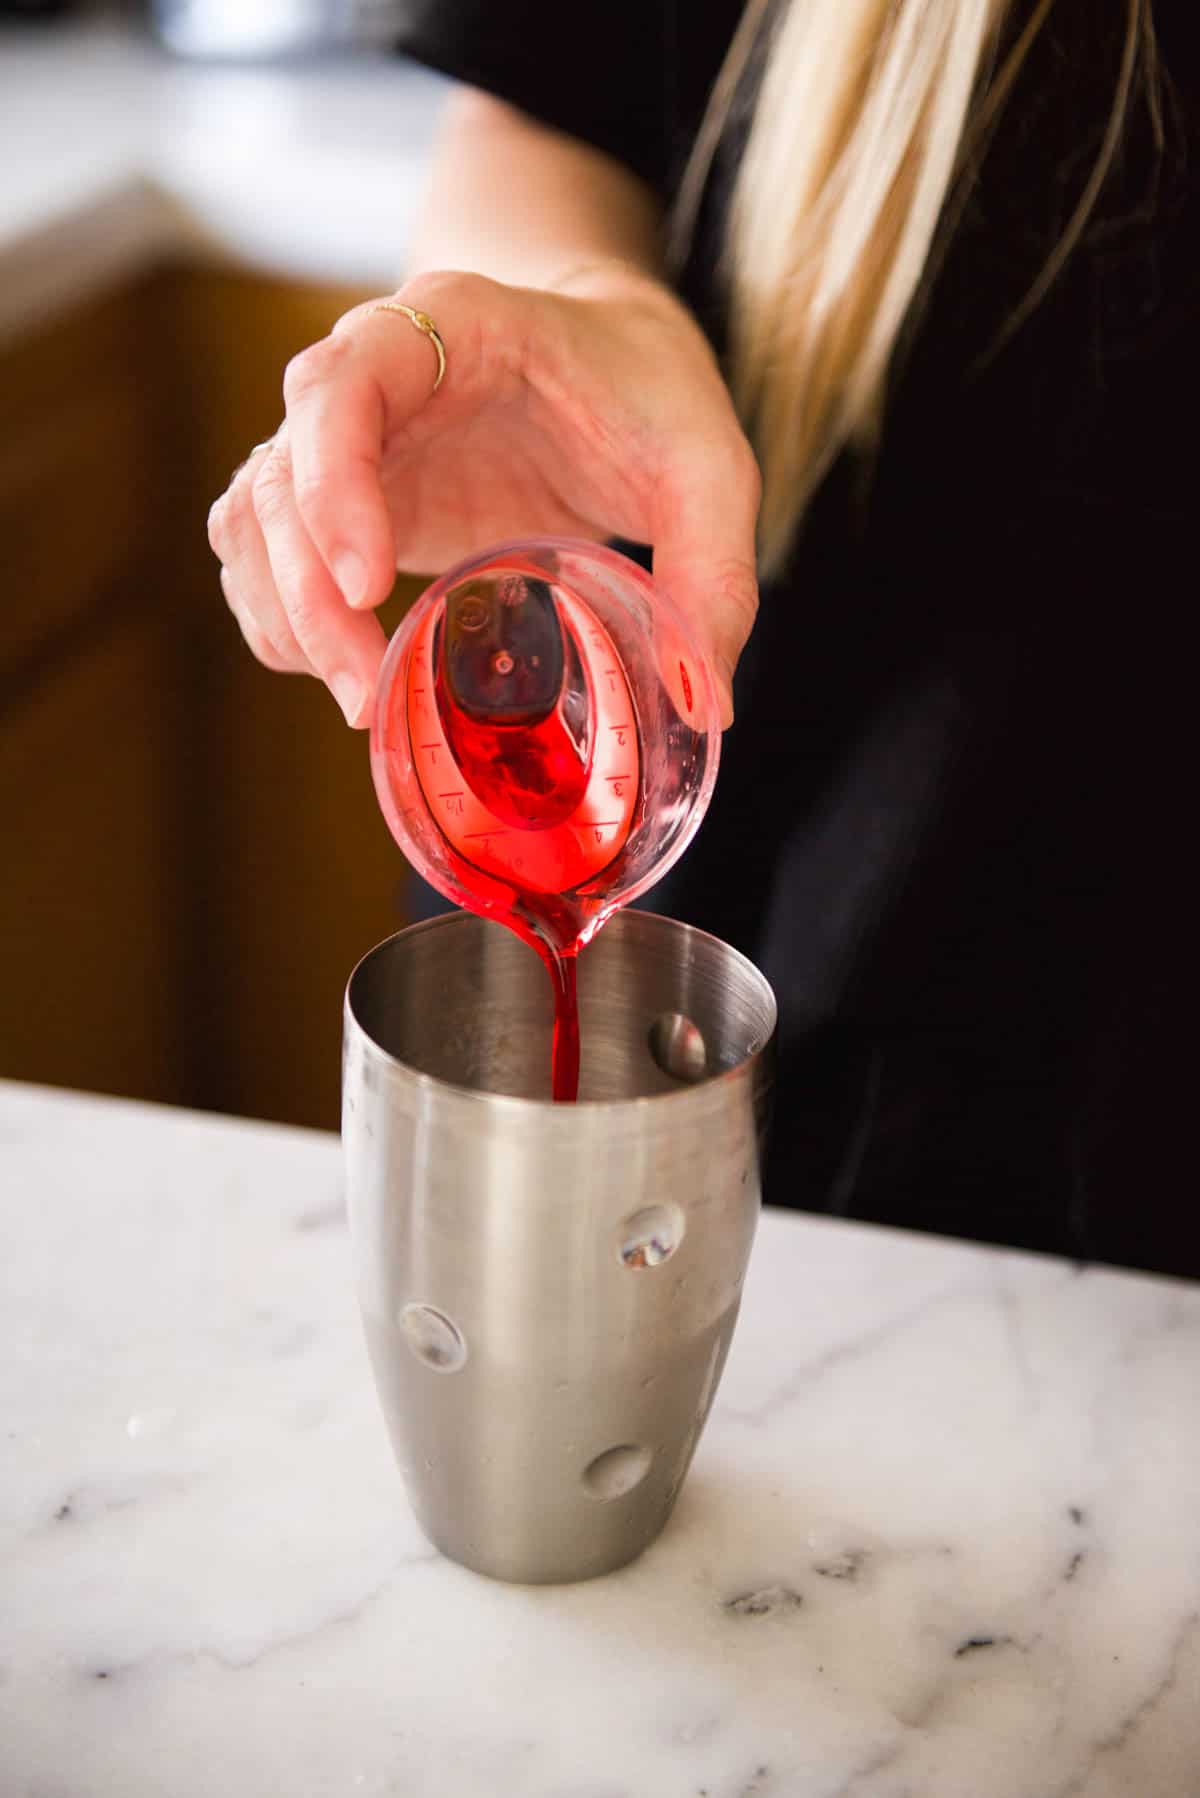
[(518, 760), (532, 762)]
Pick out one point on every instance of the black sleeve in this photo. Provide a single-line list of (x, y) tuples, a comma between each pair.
[(630, 77)]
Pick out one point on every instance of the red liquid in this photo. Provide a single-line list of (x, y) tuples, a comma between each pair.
[(526, 748), (532, 777), (564, 1048)]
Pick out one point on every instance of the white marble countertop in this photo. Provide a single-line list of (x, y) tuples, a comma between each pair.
[(941, 1539), (113, 153)]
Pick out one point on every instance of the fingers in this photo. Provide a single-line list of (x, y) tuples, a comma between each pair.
[(346, 396), (336, 414), (279, 590), (705, 514), (342, 647), (259, 645), (304, 531), (246, 579)]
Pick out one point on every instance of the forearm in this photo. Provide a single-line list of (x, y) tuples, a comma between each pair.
[(514, 200)]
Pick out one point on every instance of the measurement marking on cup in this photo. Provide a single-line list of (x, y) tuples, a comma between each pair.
[(454, 802), (485, 838), (600, 825)]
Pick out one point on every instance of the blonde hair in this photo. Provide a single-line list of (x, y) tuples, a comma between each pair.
[(867, 114)]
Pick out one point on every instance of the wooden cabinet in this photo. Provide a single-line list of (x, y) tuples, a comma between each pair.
[(88, 952), (194, 856)]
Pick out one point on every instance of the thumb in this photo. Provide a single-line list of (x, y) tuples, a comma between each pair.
[(704, 555)]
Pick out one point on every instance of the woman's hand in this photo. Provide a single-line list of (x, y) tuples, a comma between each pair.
[(594, 409)]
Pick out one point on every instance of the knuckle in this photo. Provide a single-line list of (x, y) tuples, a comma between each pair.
[(456, 288), (228, 522), (268, 487), (276, 640), (217, 534), (479, 318), (304, 615), (486, 325), (312, 368), (737, 585), (310, 488), (283, 658), (265, 649)]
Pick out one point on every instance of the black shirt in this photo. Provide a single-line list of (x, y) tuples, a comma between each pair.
[(954, 814)]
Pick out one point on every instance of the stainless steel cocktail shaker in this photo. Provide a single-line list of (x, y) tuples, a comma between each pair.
[(549, 1291)]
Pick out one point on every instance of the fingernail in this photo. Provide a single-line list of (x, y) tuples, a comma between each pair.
[(350, 694), (350, 573)]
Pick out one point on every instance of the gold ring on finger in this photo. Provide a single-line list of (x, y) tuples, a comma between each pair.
[(424, 324)]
